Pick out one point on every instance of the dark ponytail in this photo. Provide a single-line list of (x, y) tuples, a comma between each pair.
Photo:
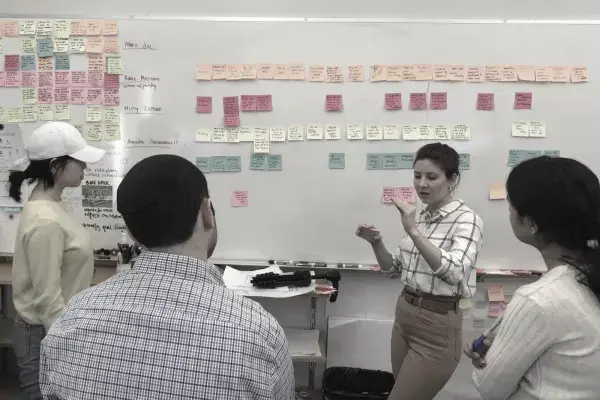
[(40, 171), (15, 181), (589, 272)]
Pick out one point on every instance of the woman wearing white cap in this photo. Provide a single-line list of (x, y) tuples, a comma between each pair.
[(53, 257)]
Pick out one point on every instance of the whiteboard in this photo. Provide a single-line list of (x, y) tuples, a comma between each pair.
[(306, 211)]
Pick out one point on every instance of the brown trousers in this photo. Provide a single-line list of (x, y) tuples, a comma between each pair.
[(426, 349)]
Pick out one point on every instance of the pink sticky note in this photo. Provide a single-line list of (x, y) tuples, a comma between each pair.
[(495, 305), (112, 97), (418, 101), (29, 79), (264, 103), (231, 105), (494, 313), (495, 293), (248, 103), (523, 101), (438, 101), (485, 101), (61, 95), (45, 79), (204, 104), (78, 95), (62, 78), (11, 29), (333, 102), (12, 62), (239, 199), (390, 193), (94, 96), (376, 268), (78, 78), (407, 194), (13, 79), (393, 101), (112, 81), (2, 78), (45, 95), (96, 79), (231, 120)]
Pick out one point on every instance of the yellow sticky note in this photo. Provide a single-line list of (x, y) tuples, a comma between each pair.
[(410, 132), (457, 73), (112, 132), (248, 71), (543, 74), (204, 72), (332, 132), (394, 73), (579, 74), (28, 45), (93, 27), (76, 45), (233, 72), (78, 28), (497, 191), (509, 73), (561, 74), (94, 45), (14, 115), (110, 27), (219, 135), (93, 114), (461, 132), (62, 112), (29, 95), (219, 72), (114, 65), (30, 114), (203, 135), (45, 112), (391, 132), (61, 45), (43, 28), (335, 74), (62, 29), (526, 73), (297, 72), (442, 132), (3, 116), (316, 73), (112, 116), (374, 132), (423, 72), (520, 129), (281, 71), (475, 74), (27, 28), (94, 131), (356, 73), (441, 72), (265, 71), (493, 73), (379, 73)]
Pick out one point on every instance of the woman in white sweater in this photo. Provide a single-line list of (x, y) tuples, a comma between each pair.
[(548, 344)]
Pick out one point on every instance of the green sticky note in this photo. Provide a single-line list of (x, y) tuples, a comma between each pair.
[(28, 62), (552, 153), (45, 47), (464, 161), (258, 161), (337, 160), (374, 161), (203, 164), (405, 160), (390, 161), (517, 156), (274, 162), (62, 62), (233, 164), (217, 163)]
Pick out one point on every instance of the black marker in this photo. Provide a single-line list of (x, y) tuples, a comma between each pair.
[(271, 262), (342, 265)]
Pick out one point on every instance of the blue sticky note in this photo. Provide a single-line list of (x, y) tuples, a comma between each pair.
[(233, 164), (62, 62), (217, 164), (258, 161), (203, 164), (28, 62), (45, 47), (405, 160), (464, 161), (337, 160), (274, 162), (374, 161), (549, 153), (390, 161)]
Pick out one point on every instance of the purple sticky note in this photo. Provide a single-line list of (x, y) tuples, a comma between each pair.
[(485, 101), (438, 101), (333, 102), (78, 95), (393, 101), (111, 81), (248, 103), (264, 103), (418, 101), (204, 104), (12, 62), (523, 101)]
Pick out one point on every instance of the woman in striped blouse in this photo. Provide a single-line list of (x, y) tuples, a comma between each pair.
[(436, 262)]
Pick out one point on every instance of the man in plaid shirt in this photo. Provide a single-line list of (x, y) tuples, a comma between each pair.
[(167, 329)]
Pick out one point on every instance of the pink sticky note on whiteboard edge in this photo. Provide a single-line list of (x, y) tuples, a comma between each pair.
[(239, 198)]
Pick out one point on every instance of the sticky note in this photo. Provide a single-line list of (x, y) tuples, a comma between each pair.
[(28, 45), (394, 73), (389, 193), (418, 101), (332, 132), (111, 132), (497, 191), (355, 131), (485, 101), (62, 62), (28, 62), (248, 71), (11, 29), (231, 134), (337, 160), (522, 101), (378, 73), (61, 45), (29, 95), (232, 164), (239, 199), (314, 132), (526, 73), (264, 102), (265, 71), (248, 103), (2, 78), (509, 73), (93, 27), (374, 161), (204, 104), (30, 114), (98, 63), (233, 72), (261, 141), (94, 96), (45, 78), (374, 132), (231, 120), (442, 132), (14, 115), (393, 101), (78, 95), (45, 95), (114, 65), (464, 161), (457, 73), (203, 164), (391, 132), (537, 129), (3, 116), (277, 134), (520, 129), (110, 27), (543, 74), (111, 81), (561, 74), (202, 134), (390, 161), (297, 72), (493, 73), (495, 292), (204, 72), (274, 162), (356, 73), (111, 116), (45, 47), (441, 72), (112, 97), (579, 74), (258, 161), (11, 62), (295, 132), (93, 114), (410, 132), (219, 72), (27, 28), (78, 28), (475, 74), (231, 105), (405, 160), (551, 153), (111, 46), (13, 79), (43, 28), (245, 134), (46, 113), (94, 131), (517, 156), (76, 45), (438, 101), (425, 132), (219, 135), (95, 79), (461, 132), (316, 73), (62, 29), (335, 74), (61, 95), (333, 102), (407, 194), (281, 71), (1, 43), (45, 63)]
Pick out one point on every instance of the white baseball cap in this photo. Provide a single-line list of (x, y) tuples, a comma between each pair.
[(57, 139)]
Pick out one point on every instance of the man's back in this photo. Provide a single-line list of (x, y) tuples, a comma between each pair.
[(168, 329)]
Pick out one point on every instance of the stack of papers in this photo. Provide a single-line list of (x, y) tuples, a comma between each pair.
[(303, 342), (240, 282)]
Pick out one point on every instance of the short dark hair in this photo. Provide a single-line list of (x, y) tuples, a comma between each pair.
[(37, 171), (444, 156), (160, 199), (562, 197)]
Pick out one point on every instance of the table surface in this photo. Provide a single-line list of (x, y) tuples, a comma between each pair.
[(101, 274)]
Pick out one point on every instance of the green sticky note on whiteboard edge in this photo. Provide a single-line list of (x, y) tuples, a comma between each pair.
[(518, 156), (274, 162), (337, 160), (464, 161)]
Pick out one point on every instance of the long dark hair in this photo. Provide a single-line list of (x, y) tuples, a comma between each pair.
[(40, 171), (562, 197)]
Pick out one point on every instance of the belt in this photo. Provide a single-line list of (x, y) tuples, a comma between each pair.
[(436, 304)]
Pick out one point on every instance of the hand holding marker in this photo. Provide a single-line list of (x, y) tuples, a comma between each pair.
[(478, 345)]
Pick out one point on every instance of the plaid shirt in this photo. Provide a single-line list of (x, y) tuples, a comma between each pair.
[(457, 231), (167, 329)]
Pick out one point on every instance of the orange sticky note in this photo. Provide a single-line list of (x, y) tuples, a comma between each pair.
[(509, 74), (493, 73), (441, 72), (219, 72), (475, 74), (297, 72), (334, 74), (265, 71), (93, 27), (394, 73), (239, 199), (379, 73), (543, 74), (233, 72), (356, 73), (579, 74), (78, 28), (204, 72), (281, 72), (248, 71), (495, 293), (111, 46), (11, 29), (561, 74), (110, 27), (497, 191), (457, 73), (423, 72), (316, 73), (526, 73)]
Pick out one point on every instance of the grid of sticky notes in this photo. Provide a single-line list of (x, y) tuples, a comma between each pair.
[(49, 87), (393, 161), (392, 73)]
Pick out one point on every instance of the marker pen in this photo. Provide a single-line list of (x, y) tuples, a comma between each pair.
[(478, 345)]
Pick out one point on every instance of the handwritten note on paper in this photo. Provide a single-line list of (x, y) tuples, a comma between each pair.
[(94, 96), (11, 62), (219, 72), (28, 45), (493, 73), (62, 62), (13, 79), (264, 102), (316, 73), (485, 101), (14, 115), (457, 73), (332, 132), (314, 132), (46, 113), (410, 132), (537, 129), (97, 63), (561, 74), (111, 81), (30, 114), (96, 80), (295, 132), (45, 47), (509, 74), (526, 73), (29, 95), (28, 62), (245, 134), (418, 101), (76, 45), (333, 102), (355, 131), (11, 29), (93, 27), (261, 142), (202, 135), (407, 194), (281, 72), (520, 129), (2, 79), (442, 132), (45, 95), (374, 132), (475, 74), (78, 28), (110, 27), (94, 132), (112, 97), (233, 72), (390, 161), (78, 95), (335, 74), (337, 160), (395, 73), (248, 71), (62, 29), (29, 79), (277, 134), (522, 101), (43, 28), (391, 132), (390, 193), (438, 101), (393, 101), (497, 191), (356, 73), (441, 72), (425, 132), (461, 132), (61, 95), (374, 161), (239, 199), (297, 72), (204, 104), (27, 28), (204, 72), (265, 71), (219, 135), (112, 117), (579, 74), (495, 292), (114, 65), (93, 114), (517, 156), (248, 103), (543, 74), (111, 46), (61, 45), (464, 161), (378, 73), (112, 132), (423, 72), (258, 161), (62, 112)]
